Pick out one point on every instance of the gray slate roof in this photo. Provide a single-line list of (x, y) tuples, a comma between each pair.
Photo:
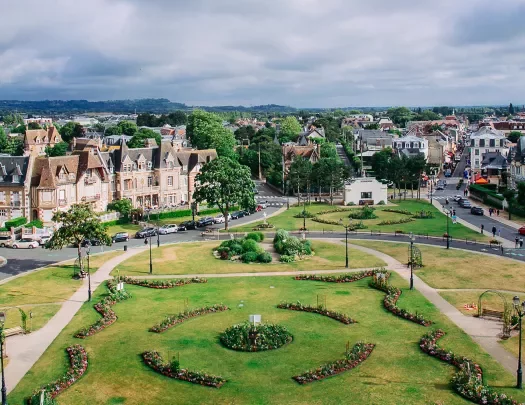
[(13, 165)]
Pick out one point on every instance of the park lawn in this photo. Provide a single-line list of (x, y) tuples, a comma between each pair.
[(397, 372), (41, 315), (49, 285), (129, 228), (436, 226), (490, 300), (512, 344), (456, 268), (197, 258)]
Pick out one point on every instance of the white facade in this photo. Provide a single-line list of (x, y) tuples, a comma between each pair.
[(40, 121), (411, 142), (363, 190), (486, 140)]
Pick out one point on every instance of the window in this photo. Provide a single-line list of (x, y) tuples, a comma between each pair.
[(476, 163), (367, 194), (501, 142), (112, 184), (3, 213), (149, 165), (89, 173), (170, 180), (184, 181), (472, 142), (15, 178), (150, 181), (170, 165), (47, 196), (171, 199), (492, 143), (482, 143), (61, 194), (61, 176), (2, 195), (476, 152)]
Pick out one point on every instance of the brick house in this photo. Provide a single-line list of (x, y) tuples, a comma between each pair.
[(36, 140)]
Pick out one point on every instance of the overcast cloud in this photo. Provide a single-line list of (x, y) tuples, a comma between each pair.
[(304, 53)]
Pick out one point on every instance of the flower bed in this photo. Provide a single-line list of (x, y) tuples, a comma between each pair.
[(155, 361), (245, 337), (468, 381), (173, 320), (162, 284), (78, 360), (352, 359), (396, 222), (364, 213), (263, 226), (351, 227), (344, 278), (104, 308), (333, 210), (297, 306), (390, 301), (396, 211)]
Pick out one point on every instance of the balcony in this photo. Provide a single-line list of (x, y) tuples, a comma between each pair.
[(62, 202), (95, 197), (90, 180), (16, 203)]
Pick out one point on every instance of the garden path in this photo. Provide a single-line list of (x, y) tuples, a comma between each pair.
[(25, 350)]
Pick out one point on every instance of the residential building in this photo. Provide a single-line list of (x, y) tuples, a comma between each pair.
[(38, 120), (292, 151), (365, 190), (493, 165), (509, 126), (373, 140), (516, 160), (441, 148), (485, 140), (15, 181), (36, 140), (410, 145)]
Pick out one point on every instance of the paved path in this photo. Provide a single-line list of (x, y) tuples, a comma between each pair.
[(25, 350)]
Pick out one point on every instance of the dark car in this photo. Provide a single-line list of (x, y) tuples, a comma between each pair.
[(237, 215), (187, 225), (120, 237), (476, 211), (145, 233), (205, 221), (464, 203), (247, 212), (90, 242)]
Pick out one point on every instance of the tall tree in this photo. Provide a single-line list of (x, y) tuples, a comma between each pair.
[(77, 224), (381, 163), (15, 146), (290, 129), (59, 149), (122, 206), (514, 136), (33, 125), (128, 128), (511, 109), (224, 182), (113, 130), (70, 130), (299, 174), (400, 115), (144, 133), (205, 131), (3, 140), (330, 172)]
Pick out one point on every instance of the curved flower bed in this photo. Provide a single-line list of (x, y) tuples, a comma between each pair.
[(344, 278), (104, 308), (352, 359), (162, 284), (297, 306), (173, 320), (155, 361), (397, 211), (390, 303), (245, 337), (468, 381), (78, 360), (396, 222)]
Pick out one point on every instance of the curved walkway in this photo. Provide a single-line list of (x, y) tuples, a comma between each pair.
[(25, 350)]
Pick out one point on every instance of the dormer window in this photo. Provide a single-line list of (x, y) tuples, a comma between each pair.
[(15, 178), (62, 176), (37, 140), (149, 165)]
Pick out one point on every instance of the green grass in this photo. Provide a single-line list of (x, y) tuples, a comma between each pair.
[(490, 300), (397, 372), (455, 268), (130, 228), (197, 258), (436, 226), (41, 315)]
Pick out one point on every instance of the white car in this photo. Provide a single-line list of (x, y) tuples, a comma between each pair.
[(171, 228), (44, 240), (219, 219), (264, 204), (25, 244)]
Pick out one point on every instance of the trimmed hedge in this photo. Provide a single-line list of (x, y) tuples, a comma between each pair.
[(488, 197), (256, 236), (15, 223), (36, 223)]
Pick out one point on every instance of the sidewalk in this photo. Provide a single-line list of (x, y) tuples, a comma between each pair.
[(25, 350), (502, 217)]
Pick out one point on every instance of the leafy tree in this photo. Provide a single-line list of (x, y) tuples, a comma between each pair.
[(224, 182), (381, 163), (511, 109), (15, 146), (331, 126), (395, 132), (374, 125), (144, 133), (20, 129), (77, 224), (99, 127), (128, 127), (355, 112), (427, 115), (205, 131), (33, 125), (299, 174), (514, 136), (330, 172), (329, 150), (13, 119), (146, 120), (177, 118), (113, 130), (71, 130), (122, 206), (290, 129), (400, 115), (243, 133), (3, 140), (59, 149)]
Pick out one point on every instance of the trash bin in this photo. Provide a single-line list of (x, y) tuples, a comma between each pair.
[(125, 248)]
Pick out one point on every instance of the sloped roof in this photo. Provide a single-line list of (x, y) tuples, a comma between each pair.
[(46, 169), (32, 135), (13, 165)]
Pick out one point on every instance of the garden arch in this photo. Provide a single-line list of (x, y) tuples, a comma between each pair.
[(507, 309)]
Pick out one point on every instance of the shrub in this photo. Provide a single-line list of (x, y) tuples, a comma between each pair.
[(278, 247), (287, 259), (304, 214), (36, 223), (249, 257), (351, 204), (280, 235), (249, 245), (256, 236), (292, 246), (15, 223), (236, 249), (224, 253), (269, 337), (307, 247), (264, 257), (381, 203), (364, 213)]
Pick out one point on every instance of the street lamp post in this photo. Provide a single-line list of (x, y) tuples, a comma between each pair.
[(89, 274), (520, 312), (150, 261), (346, 240), (2, 342), (448, 228), (411, 261)]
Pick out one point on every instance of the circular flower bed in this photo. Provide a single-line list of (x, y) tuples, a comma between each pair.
[(245, 337)]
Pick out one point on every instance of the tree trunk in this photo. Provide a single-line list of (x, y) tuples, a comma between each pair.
[(225, 213), (412, 187), (79, 252)]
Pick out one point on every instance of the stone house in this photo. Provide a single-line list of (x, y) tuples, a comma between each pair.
[(36, 140), (14, 187)]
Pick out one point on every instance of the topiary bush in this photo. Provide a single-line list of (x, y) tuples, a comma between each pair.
[(264, 257), (246, 337), (249, 245), (254, 236), (249, 257), (236, 249)]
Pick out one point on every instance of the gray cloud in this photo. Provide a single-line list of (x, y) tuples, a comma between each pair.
[(306, 53)]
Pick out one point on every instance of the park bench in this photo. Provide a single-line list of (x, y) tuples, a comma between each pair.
[(17, 330), (491, 313)]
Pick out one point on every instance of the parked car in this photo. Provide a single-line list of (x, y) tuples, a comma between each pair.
[(476, 211), (170, 228), (25, 243), (263, 205), (206, 221), (219, 219), (465, 204), (521, 231), (246, 212), (6, 241), (145, 233), (440, 186), (255, 191), (120, 237), (258, 208), (43, 240), (184, 226), (237, 214)]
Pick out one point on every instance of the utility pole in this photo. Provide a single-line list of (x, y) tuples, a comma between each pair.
[(260, 174)]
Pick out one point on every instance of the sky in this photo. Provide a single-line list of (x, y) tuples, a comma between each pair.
[(302, 53)]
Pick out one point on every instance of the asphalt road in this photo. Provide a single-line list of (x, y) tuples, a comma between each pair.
[(22, 260)]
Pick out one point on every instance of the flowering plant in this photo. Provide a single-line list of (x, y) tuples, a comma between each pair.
[(161, 284), (246, 337), (173, 320), (344, 278), (297, 306)]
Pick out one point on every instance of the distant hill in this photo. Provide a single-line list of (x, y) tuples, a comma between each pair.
[(150, 105)]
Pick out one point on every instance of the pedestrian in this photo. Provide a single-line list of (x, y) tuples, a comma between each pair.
[(454, 218), (454, 212), (494, 231), (521, 242), (490, 211), (497, 213), (499, 232), (517, 241), (482, 227)]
